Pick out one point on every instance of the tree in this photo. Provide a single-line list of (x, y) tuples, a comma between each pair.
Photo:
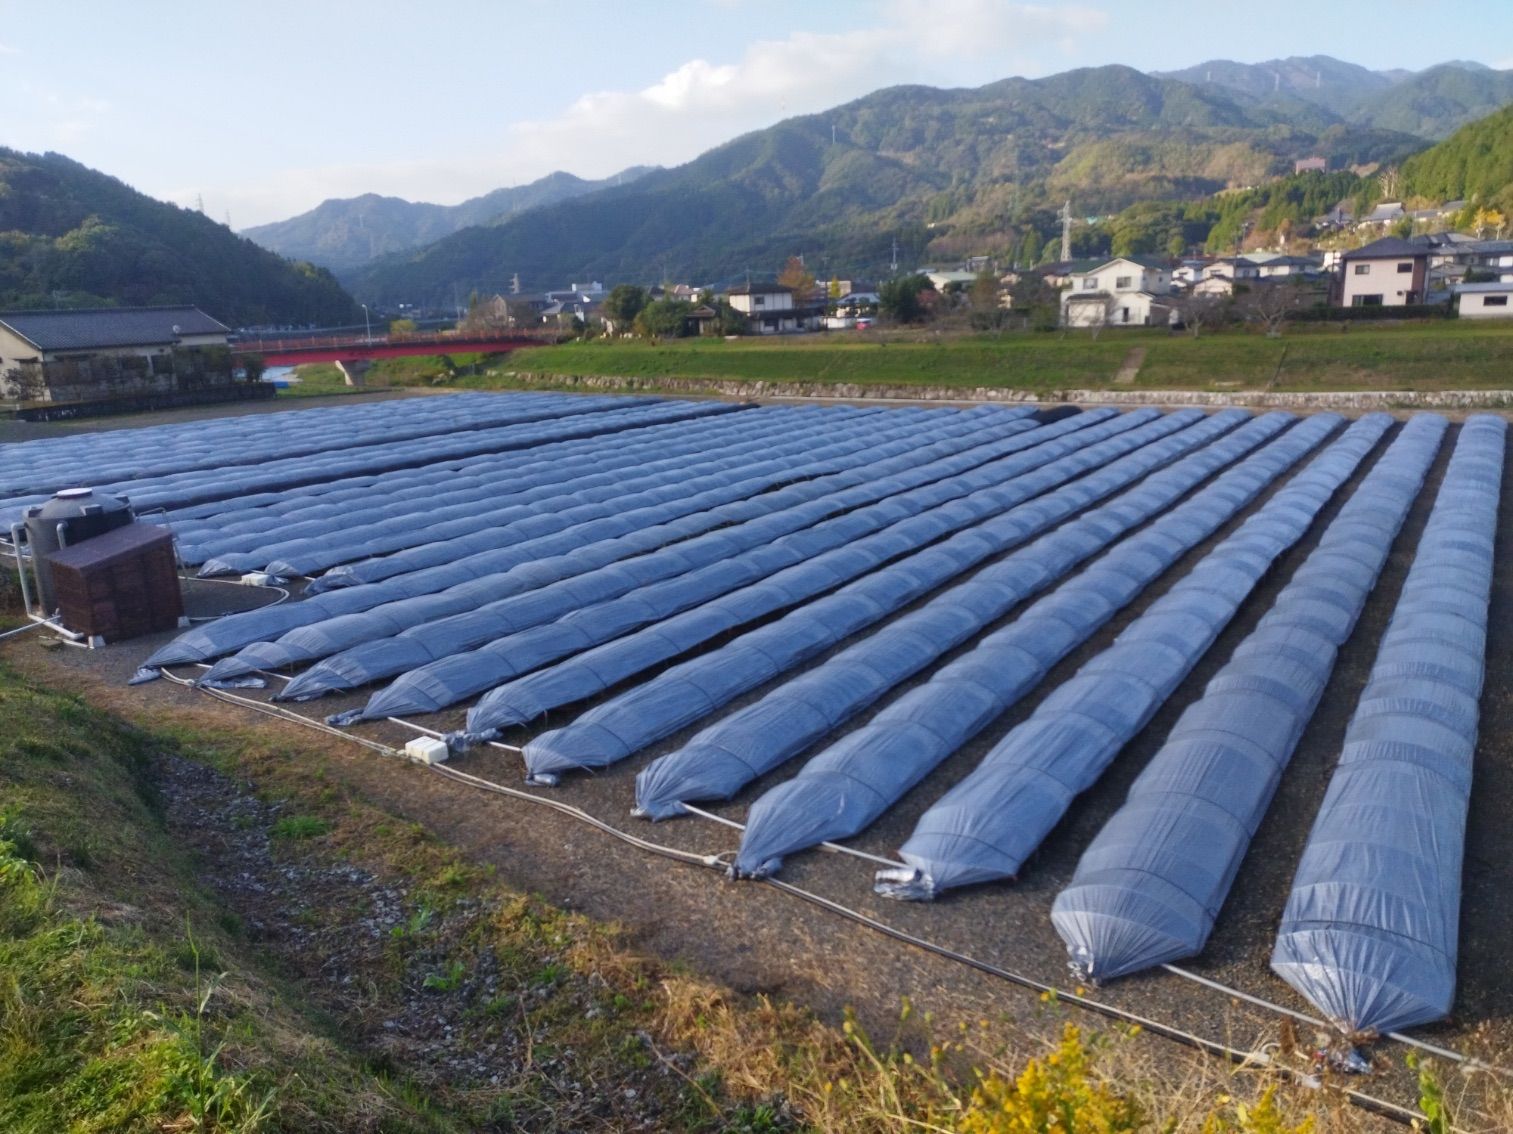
[(1271, 304), (1029, 252), (664, 319), (899, 300), (797, 278), (1198, 310), (622, 305), (399, 328), (982, 300)]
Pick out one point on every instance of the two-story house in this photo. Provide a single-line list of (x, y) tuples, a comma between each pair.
[(1124, 292), (771, 309), (1389, 272)]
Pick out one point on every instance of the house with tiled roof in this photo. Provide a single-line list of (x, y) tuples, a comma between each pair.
[(1129, 291), (1389, 272), (102, 352)]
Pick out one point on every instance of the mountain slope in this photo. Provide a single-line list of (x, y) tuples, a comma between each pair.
[(1436, 102), (345, 233), (72, 236), (1319, 79), (1475, 164), (924, 165)]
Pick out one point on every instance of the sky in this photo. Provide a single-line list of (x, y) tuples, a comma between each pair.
[(257, 110)]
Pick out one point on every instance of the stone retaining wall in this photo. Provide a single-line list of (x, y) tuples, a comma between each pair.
[(852, 391)]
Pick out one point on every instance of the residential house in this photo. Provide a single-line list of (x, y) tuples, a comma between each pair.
[(1274, 265), (1189, 272), (81, 355), (1124, 292), (1484, 300), (942, 279), (1389, 272), (1386, 213), (770, 309), (1059, 273)]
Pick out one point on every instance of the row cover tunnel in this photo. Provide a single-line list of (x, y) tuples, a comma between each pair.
[(815, 611)]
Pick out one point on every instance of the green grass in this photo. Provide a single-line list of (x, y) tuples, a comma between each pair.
[(299, 827), (323, 378), (1411, 356)]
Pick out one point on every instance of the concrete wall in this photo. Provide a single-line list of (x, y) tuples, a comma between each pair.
[(849, 391)]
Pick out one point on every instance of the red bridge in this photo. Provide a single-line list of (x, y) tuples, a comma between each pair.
[(296, 350)]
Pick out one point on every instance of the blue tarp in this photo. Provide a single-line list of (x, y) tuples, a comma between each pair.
[(1149, 887), (1371, 927)]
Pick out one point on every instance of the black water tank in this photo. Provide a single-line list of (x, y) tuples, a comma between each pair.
[(83, 516)]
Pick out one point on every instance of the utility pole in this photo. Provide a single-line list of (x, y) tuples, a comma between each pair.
[(893, 263), (1066, 230)]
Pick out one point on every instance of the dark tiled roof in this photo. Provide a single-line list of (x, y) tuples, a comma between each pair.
[(761, 289), (1388, 247), (91, 328)]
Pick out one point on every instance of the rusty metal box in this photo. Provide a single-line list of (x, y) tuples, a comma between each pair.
[(119, 585)]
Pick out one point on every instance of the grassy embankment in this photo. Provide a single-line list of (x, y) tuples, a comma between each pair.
[(1412, 356), (322, 378)]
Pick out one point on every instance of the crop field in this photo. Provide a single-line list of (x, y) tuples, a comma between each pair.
[(1208, 706)]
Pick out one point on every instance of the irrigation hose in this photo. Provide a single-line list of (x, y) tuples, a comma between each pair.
[(1370, 1103)]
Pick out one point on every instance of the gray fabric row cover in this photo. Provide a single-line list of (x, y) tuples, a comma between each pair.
[(34, 466), (847, 786), (1150, 885), (736, 510), (599, 416), (651, 587), (479, 478), (467, 559), (511, 497), (266, 511), (665, 619), (1370, 930), (984, 827), (757, 739), (991, 426), (684, 694)]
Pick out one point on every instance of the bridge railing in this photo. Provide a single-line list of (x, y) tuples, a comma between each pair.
[(311, 342)]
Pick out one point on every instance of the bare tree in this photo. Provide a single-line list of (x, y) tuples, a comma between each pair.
[(1271, 304), (1200, 309)]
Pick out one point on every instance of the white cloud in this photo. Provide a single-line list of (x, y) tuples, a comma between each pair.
[(7, 49), (702, 103)]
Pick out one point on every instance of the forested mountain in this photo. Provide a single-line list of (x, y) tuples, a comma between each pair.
[(71, 236), (1436, 102), (1474, 164), (946, 172), (345, 233), (1327, 82)]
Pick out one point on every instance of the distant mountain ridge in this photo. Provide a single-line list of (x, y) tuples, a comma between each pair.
[(345, 233), (945, 171), (71, 236), (1431, 103)]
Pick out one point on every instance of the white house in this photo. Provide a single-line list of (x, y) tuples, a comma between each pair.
[(1385, 273), (1124, 292), (771, 309), (1485, 300)]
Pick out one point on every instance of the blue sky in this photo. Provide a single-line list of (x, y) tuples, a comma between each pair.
[(263, 109)]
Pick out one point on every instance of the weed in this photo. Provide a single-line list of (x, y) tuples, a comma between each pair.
[(449, 980), (417, 923), (299, 827), (1431, 1096)]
